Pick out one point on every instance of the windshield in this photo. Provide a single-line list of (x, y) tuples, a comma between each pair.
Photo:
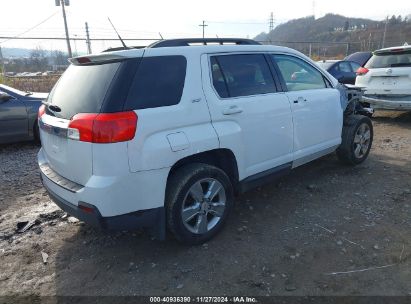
[(390, 60), (82, 89)]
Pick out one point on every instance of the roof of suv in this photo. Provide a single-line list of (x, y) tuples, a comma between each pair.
[(184, 49)]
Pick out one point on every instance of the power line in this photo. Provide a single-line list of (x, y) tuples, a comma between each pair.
[(233, 22), (32, 28)]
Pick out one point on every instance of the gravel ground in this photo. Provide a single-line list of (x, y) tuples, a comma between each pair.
[(325, 229)]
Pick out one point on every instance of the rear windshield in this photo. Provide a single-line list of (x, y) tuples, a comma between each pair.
[(390, 60), (82, 89)]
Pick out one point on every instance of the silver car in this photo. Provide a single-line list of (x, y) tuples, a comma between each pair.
[(18, 114)]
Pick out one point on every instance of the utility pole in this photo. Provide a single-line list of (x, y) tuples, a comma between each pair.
[(385, 32), (203, 25), (63, 3), (75, 45), (271, 25), (88, 42)]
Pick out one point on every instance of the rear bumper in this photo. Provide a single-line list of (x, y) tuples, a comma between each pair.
[(153, 219), (126, 202), (386, 102), (149, 218)]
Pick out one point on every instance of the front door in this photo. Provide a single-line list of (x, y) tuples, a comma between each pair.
[(316, 107)]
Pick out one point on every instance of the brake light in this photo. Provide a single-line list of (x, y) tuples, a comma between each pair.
[(397, 50), (83, 60), (103, 128), (42, 110), (362, 71)]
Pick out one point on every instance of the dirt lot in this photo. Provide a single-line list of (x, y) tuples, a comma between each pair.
[(326, 229)]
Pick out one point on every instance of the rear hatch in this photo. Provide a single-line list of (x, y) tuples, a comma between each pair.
[(88, 90), (389, 72)]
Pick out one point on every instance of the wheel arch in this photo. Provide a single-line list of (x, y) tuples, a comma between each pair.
[(223, 159)]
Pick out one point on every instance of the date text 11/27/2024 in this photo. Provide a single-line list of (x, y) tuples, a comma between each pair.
[(223, 299)]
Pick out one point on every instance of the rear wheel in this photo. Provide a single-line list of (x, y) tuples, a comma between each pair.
[(357, 137), (199, 199)]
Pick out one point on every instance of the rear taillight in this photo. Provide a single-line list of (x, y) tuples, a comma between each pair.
[(42, 110), (103, 128), (362, 71)]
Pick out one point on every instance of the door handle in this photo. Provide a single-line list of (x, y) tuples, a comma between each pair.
[(300, 99), (232, 110)]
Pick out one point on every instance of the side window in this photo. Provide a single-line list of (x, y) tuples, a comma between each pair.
[(345, 67), (158, 82), (355, 66), (299, 75), (219, 82), (241, 75)]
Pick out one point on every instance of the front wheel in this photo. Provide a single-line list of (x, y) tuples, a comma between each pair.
[(357, 137), (199, 199)]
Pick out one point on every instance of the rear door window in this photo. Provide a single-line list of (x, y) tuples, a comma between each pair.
[(158, 82), (345, 67), (241, 75), (299, 75), (355, 66)]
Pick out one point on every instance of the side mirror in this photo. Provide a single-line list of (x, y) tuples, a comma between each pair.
[(4, 97)]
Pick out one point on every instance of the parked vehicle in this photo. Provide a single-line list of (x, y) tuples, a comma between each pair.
[(18, 114), (164, 137), (386, 79), (344, 71), (359, 57)]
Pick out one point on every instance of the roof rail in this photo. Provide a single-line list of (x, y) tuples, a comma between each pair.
[(204, 41)]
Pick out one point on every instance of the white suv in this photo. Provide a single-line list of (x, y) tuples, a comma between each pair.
[(163, 137), (386, 79)]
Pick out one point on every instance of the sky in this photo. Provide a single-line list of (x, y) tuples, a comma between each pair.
[(173, 19)]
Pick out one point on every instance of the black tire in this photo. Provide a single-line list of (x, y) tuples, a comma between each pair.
[(36, 132), (177, 195), (347, 150)]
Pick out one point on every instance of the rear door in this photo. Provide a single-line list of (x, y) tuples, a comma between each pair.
[(249, 114), (347, 73), (81, 89), (316, 108)]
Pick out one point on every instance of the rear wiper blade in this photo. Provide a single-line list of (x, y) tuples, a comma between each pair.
[(54, 108)]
